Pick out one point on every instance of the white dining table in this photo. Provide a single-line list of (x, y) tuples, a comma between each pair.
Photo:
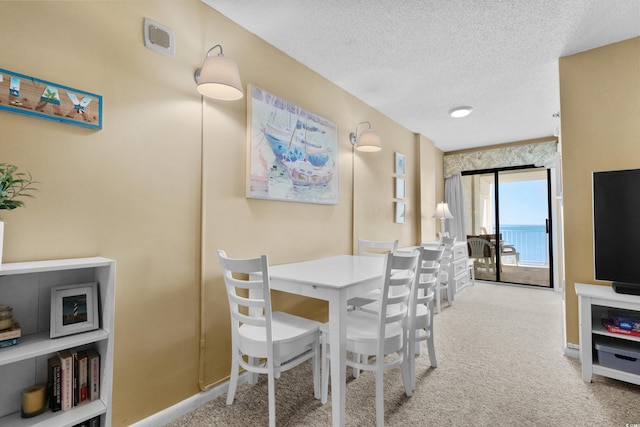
[(334, 279)]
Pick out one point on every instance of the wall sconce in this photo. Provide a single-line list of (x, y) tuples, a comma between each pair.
[(442, 212), (368, 140), (219, 77)]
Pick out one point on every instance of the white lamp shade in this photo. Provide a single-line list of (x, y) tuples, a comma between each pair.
[(442, 211), (368, 141), (219, 78)]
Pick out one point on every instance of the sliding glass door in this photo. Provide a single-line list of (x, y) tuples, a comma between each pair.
[(509, 209)]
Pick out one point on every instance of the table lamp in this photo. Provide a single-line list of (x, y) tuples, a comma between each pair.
[(442, 212)]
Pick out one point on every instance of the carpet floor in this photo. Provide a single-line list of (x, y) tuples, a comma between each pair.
[(500, 363)]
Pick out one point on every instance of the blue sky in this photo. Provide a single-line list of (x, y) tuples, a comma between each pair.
[(523, 203)]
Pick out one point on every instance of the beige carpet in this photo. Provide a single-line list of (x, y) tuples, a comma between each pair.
[(500, 363)]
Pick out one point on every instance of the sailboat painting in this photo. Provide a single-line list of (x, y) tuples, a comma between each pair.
[(292, 152)]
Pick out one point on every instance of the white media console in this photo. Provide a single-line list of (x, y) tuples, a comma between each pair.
[(594, 303)]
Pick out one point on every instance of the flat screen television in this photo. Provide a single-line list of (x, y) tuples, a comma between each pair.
[(616, 229)]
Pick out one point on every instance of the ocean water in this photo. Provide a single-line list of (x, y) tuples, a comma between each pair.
[(530, 240)]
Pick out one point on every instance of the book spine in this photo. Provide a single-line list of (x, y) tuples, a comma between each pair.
[(54, 383), (82, 368), (66, 362), (9, 342), (76, 378), (94, 375)]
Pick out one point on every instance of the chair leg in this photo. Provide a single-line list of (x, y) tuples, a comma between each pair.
[(315, 361), (379, 394), (272, 395), (357, 358), (409, 364), (432, 350), (233, 379), (253, 376), (325, 370), (438, 296)]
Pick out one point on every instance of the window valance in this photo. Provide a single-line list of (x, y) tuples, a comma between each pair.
[(539, 154)]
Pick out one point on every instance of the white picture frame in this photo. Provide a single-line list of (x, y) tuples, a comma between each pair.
[(401, 212), (400, 163), (401, 192), (74, 309)]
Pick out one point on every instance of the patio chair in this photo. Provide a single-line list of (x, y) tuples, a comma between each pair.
[(480, 250)]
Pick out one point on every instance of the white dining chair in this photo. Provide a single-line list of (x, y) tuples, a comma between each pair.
[(374, 248), (378, 248), (382, 334), (283, 339), (420, 319), (445, 285)]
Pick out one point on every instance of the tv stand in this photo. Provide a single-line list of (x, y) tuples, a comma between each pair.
[(594, 303), (626, 288)]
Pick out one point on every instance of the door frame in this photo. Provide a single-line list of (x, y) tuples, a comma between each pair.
[(550, 216)]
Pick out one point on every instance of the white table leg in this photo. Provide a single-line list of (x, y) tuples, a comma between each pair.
[(338, 346)]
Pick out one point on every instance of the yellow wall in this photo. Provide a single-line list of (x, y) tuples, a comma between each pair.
[(132, 191), (600, 120), (430, 159)]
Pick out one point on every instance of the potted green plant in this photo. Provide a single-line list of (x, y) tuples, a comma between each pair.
[(14, 185)]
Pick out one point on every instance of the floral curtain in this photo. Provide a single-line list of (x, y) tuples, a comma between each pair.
[(538, 154)]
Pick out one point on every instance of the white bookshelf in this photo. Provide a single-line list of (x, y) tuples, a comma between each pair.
[(26, 286)]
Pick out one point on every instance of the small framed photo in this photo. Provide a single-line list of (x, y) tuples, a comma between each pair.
[(400, 164), (401, 192), (74, 309), (401, 212)]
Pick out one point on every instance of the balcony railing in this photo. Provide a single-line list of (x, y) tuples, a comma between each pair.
[(531, 241)]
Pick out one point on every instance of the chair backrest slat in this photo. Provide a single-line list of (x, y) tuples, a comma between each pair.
[(399, 275), (427, 278), (247, 284), (249, 320)]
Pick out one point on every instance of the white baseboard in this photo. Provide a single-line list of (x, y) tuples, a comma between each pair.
[(174, 412), (572, 350)]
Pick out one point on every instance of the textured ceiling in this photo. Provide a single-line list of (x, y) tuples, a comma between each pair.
[(414, 60)]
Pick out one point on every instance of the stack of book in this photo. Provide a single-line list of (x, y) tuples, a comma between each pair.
[(10, 336), (621, 322), (93, 422), (73, 378)]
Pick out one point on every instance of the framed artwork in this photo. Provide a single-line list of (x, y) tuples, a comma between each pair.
[(400, 164), (400, 188), (401, 212), (39, 98), (292, 153), (74, 309)]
